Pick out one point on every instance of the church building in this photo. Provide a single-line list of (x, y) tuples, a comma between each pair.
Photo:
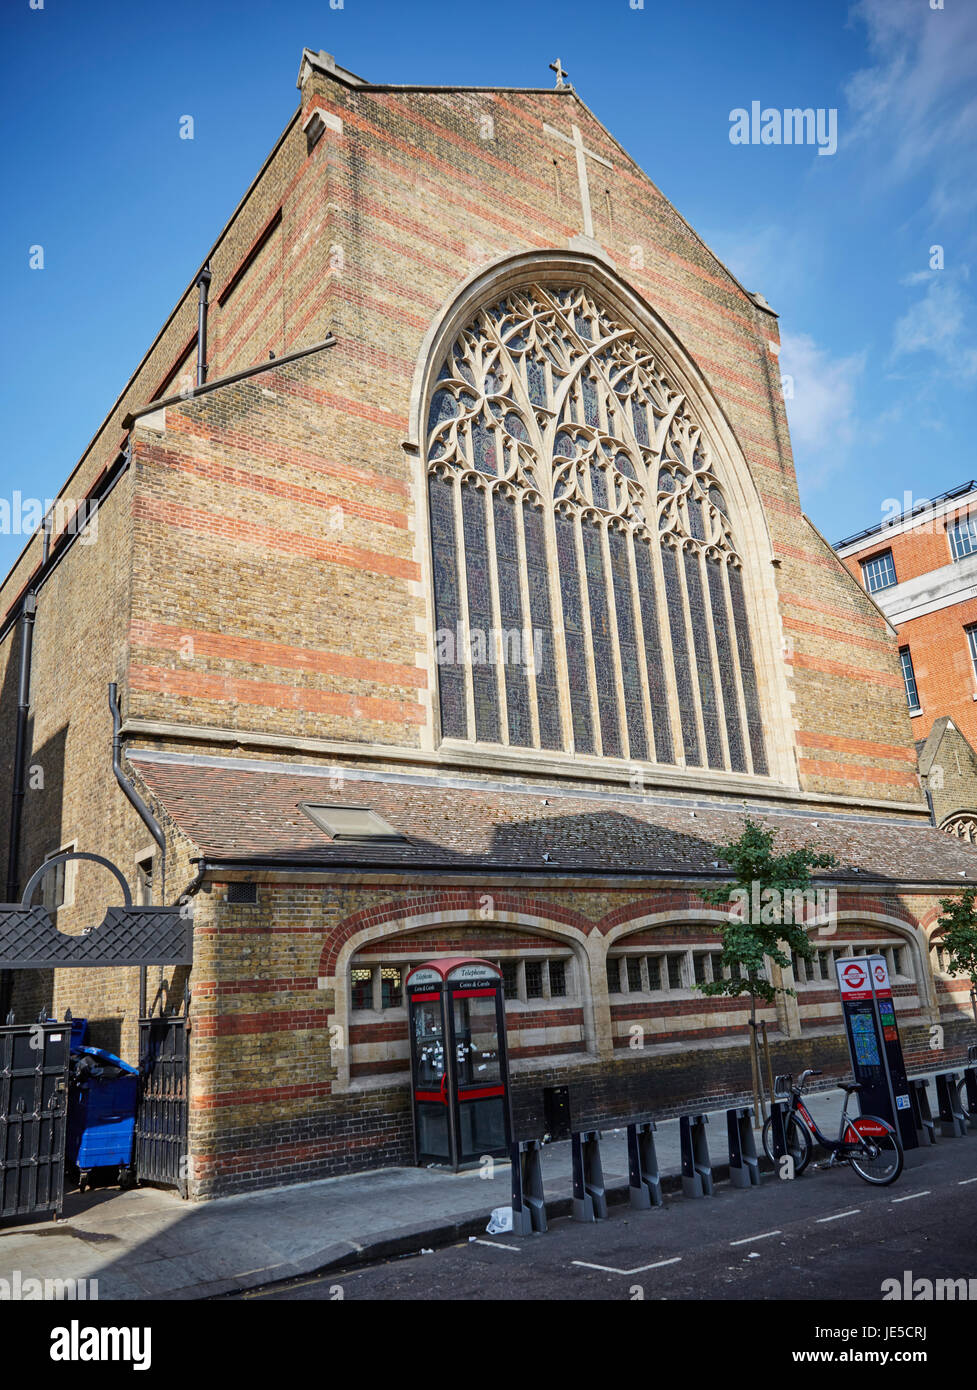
[(446, 552)]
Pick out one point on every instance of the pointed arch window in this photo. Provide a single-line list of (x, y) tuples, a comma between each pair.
[(588, 593)]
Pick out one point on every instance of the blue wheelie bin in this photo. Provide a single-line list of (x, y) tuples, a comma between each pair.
[(101, 1113)]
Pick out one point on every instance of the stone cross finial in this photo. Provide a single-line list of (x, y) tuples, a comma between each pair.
[(558, 68)]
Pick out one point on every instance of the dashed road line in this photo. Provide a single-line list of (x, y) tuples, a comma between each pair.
[(610, 1269), (964, 1181), (838, 1215), (495, 1244), (910, 1195), (749, 1239)]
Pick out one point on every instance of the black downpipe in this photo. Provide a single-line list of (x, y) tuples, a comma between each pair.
[(12, 893), (145, 815), (203, 283), (20, 746)]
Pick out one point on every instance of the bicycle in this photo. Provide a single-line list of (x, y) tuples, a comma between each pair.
[(869, 1145)]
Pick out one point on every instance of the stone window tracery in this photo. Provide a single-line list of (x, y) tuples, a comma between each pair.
[(588, 593)]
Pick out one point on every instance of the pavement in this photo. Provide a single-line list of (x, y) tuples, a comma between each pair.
[(147, 1243)]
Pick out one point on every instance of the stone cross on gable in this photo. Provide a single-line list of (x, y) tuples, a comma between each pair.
[(560, 71), (583, 154)]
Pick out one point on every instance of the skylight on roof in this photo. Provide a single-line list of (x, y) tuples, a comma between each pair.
[(356, 824)]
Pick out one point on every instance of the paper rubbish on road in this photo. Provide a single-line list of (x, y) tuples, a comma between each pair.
[(501, 1220)]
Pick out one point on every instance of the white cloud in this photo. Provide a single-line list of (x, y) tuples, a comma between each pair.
[(916, 104), (939, 323), (820, 404)]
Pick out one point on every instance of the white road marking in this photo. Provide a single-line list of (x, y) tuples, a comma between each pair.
[(838, 1215), (610, 1269), (964, 1181), (497, 1244), (911, 1195), (749, 1239)]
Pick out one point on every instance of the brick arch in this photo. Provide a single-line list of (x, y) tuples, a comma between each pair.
[(461, 906), (449, 909), (876, 908), (902, 923), (640, 916), (663, 903)]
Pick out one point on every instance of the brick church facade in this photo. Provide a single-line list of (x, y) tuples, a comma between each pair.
[(472, 384)]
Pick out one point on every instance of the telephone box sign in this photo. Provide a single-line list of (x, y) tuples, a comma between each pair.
[(475, 971), (425, 977), (873, 1042)]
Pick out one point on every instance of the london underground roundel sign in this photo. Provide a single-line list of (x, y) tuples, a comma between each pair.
[(853, 976)]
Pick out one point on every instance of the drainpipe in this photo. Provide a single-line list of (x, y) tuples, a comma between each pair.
[(20, 744), (12, 893), (145, 815), (203, 281)]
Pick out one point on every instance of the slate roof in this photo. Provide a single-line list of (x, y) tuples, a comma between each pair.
[(232, 812)]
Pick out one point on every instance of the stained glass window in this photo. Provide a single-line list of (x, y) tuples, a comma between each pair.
[(587, 591)]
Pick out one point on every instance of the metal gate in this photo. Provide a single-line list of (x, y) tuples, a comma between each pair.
[(160, 1152), (33, 1106)]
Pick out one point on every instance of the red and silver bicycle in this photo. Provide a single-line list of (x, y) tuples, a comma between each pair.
[(870, 1145)]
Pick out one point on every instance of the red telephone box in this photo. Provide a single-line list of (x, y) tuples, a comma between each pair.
[(459, 1070)]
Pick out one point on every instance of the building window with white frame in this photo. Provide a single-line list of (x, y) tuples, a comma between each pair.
[(909, 680), (664, 971), (972, 646), (962, 534), (378, 987), (879, 572), (821, 968)]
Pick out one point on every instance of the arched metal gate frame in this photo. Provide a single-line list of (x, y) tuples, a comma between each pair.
[(34, 1056)]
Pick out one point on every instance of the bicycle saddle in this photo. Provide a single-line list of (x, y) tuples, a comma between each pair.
[(850, 1086)]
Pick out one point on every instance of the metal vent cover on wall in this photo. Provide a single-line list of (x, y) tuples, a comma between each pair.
[(242, 892)]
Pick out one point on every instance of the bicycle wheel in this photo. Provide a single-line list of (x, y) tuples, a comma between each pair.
[(798, 1143), (881, 1162)]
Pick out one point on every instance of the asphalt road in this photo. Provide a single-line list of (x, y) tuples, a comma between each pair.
[(825, 1236)]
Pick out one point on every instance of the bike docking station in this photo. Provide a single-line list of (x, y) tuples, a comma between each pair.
[(744, 1165), (528, 1202), (873, 1044), (779, 1110), (970, 1082), (644, 1178), (919, 1097), (953, 1118), (696, 1164), (589, 1196)]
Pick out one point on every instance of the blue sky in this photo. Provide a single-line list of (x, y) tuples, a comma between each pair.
[(882, 349)]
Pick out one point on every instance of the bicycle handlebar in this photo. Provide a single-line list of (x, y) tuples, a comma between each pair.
[(805, 1074)]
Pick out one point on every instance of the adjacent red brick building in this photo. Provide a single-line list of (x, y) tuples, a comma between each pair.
[(920, 566), (472, 620)]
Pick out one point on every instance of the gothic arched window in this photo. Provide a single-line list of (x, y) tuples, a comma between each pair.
[(588, 593)]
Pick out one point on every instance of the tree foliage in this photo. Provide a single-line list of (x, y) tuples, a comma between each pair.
[(958, 926), (764, 891)]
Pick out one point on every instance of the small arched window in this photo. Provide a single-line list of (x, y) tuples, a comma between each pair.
[(588, 593)]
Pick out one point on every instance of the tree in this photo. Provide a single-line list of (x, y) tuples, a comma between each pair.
[(958, 926), (770, 895)]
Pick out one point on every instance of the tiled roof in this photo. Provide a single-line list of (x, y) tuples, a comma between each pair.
[(235, 813)]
